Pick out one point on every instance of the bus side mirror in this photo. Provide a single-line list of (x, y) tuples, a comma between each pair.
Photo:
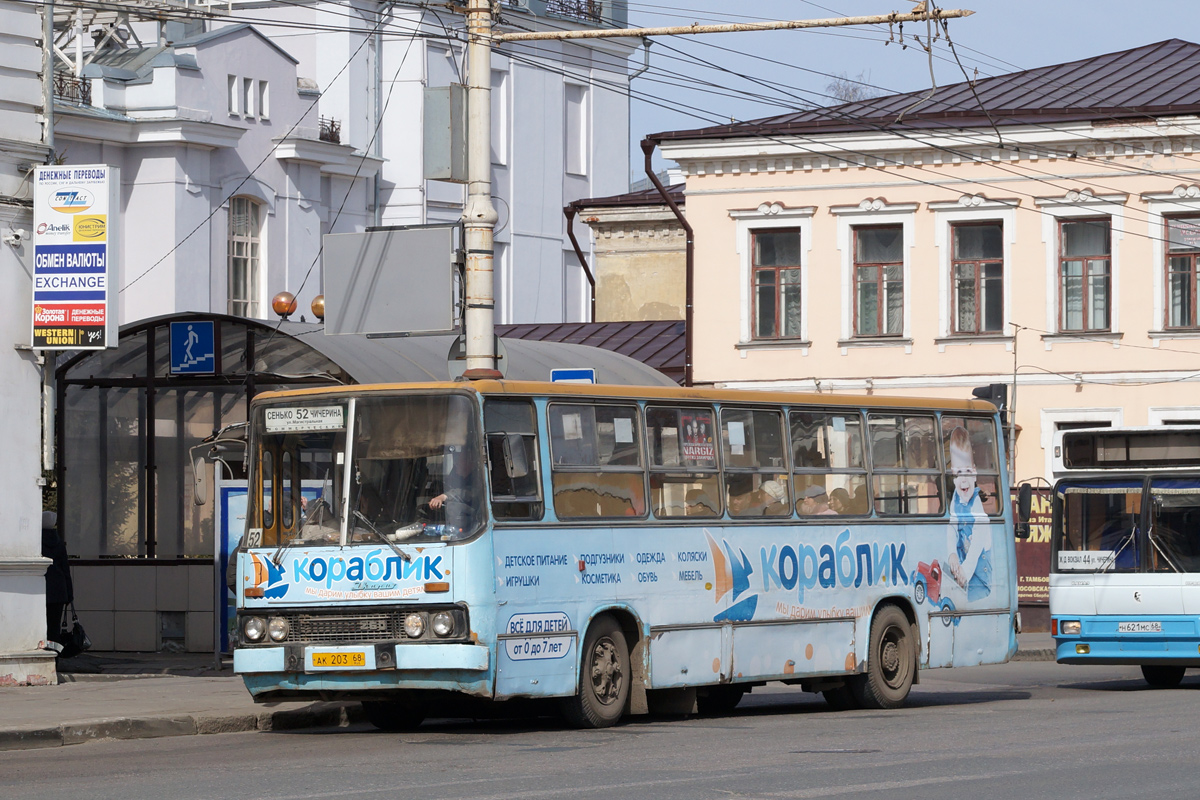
[(1024, 504), (200, 486), (515, 462)]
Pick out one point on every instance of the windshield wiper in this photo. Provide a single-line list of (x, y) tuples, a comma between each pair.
[(379, 534), (1154, 542), (1112, 560)]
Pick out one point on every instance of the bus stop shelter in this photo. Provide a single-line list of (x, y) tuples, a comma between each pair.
[(126, 417)]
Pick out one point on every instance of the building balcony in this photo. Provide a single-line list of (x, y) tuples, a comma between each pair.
[(72, 90), (330, 130)]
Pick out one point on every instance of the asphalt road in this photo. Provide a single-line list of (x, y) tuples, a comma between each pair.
[(1021, 730)]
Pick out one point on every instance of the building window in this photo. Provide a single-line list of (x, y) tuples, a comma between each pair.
[(978, 269), (245, 248), (576, 141), (248, 97), (879, 280), (776, 270), (264, 100), (1183, 260), (232, 95), (1084, 274)]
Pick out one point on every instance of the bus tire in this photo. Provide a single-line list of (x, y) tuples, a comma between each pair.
[(1162, 676), (891, 661), (604, 675), (391, 716), (719, 699), (841, 698)]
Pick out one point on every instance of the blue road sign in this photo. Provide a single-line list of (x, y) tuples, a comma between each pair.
[(193, 348), (587, 375)]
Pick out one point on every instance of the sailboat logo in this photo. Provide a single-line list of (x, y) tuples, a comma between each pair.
[(731, 574)]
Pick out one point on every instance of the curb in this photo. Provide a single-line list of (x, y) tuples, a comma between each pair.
[(1041, 654), (317, 715)]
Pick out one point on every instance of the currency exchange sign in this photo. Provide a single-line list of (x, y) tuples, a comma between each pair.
[(74, 257)]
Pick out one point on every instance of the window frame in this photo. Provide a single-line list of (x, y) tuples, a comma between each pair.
[(863, 472), (934, 474), (1193, 257), (1063, 258), (977, 265), (756, 269), (880, 283), (783, 471), (252, 304)]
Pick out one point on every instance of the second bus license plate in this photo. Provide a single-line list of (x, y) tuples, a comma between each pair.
[(1139, 627), (342, 659)]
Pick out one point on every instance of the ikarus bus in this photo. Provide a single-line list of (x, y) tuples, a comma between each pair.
[(616, 549), (1125, 555)]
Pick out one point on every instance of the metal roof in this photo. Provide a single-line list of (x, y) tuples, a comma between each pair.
[(656, 343), (645, 197), (1155, 80)]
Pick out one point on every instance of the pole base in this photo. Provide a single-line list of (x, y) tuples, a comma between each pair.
[(483, 374)]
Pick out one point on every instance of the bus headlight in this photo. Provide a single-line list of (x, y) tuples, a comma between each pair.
[(277, 629), (1070, 627), (253, 628), (443, 623), (414, 626)]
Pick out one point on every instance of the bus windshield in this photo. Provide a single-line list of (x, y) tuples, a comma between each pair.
[(1174, 531), (1099, 527), (414, 470)]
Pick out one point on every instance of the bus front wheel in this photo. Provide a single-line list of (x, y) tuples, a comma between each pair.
[(891, 662), (603, 679), (1162, 676), (392, 716)]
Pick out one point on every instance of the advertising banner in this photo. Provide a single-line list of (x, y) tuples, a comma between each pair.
[(75, 251), (1033, 554)]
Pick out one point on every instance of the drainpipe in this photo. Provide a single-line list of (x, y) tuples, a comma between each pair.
[(648, 150), (569, 212)]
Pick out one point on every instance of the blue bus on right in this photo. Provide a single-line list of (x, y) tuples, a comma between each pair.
[(1125, 554)]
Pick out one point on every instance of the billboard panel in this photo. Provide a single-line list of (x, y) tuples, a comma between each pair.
[(75, 257)]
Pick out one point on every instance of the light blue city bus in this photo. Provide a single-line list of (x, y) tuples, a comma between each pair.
[(1125, 550), (619, 550)]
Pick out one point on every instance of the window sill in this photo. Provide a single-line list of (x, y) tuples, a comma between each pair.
[(973, 338), (881, 341), (1095, 337), (774, 344), (1178, 333)]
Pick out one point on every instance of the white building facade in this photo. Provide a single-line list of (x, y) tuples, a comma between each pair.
[(22, 569)]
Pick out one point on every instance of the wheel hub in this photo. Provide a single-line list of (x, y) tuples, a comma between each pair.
[(606, 672)]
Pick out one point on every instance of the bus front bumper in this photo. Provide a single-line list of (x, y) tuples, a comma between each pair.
[(1101, 640), (388, 657)]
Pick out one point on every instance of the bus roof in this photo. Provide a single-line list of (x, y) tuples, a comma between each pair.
[(676, 394)]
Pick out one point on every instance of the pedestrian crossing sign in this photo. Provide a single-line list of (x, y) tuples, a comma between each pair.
[(193, 348)]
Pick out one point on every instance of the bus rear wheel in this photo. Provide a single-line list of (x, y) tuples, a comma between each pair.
[(891, 662), (391, 716), (603, 679), (1162, 676)]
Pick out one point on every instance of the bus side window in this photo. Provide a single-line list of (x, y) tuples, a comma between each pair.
[(756, 479), (683, 462), (597, 461), (906, 475), (267, 473), (827, 458), (512, 450)]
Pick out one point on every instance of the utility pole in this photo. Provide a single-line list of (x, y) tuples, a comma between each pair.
[(479, 215)]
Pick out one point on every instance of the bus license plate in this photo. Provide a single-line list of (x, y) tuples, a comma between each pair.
[(345, 660), (1139, 627)]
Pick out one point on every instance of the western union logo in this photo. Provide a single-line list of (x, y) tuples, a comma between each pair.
[(89, 229)]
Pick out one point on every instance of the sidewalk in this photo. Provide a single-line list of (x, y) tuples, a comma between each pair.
[(148, 695), (144, 696)]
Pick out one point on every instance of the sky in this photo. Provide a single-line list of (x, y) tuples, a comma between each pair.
[(785, 70)]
